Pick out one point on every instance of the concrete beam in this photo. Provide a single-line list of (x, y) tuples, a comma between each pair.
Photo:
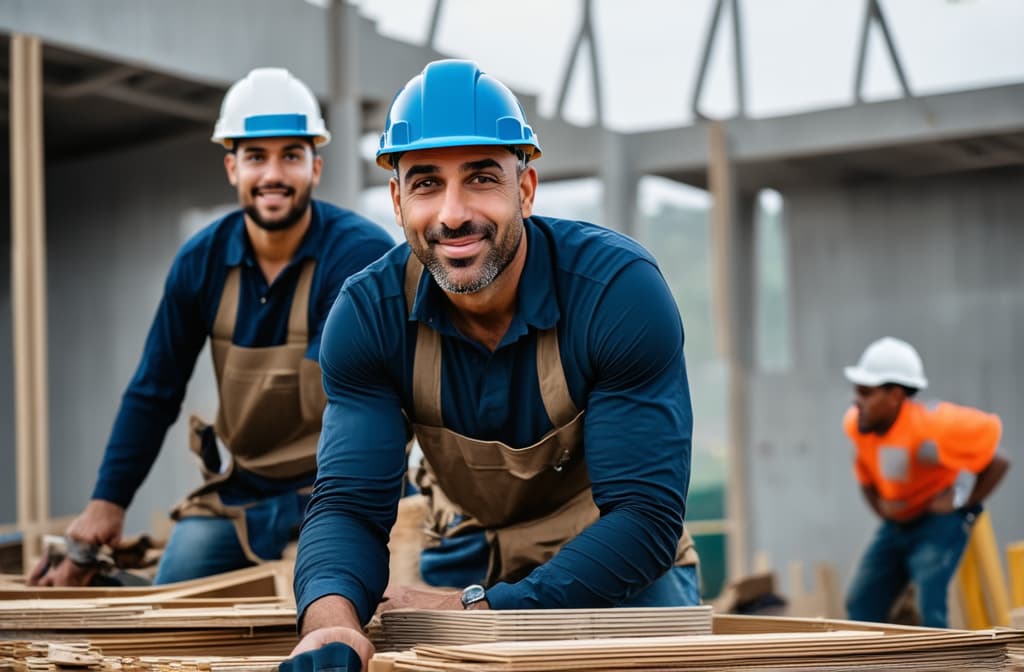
[(779, 143), (147, 33)]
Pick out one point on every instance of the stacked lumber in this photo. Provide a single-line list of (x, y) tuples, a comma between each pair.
[(406, 628), (83, 657), (740, 643), (45, 656), (246, 613)]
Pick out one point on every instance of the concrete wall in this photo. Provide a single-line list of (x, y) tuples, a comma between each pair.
[(935, 261), (114, 225)]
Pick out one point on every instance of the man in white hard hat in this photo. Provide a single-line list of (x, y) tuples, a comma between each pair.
[(258, 283), (925, 469)]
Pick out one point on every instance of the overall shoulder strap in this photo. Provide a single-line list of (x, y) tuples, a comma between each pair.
[(426, 368), (554, 390), (298, 318), (227, 311)]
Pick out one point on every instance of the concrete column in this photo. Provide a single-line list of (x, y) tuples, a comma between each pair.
[(732, 235), (342, 181), (619, 200), (28, 289)]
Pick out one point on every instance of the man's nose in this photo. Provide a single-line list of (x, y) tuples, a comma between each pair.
[(455, 210), (273, 170)]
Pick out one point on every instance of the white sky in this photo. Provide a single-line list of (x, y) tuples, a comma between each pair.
[(799, 54)]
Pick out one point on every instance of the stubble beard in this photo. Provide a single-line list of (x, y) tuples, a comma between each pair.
[(289, 219), (497, 258)]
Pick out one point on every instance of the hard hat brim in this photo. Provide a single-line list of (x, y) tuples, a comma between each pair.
[(859, 376), (319, 139), (384, 156)]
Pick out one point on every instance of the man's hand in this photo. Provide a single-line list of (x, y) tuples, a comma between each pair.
[(405, 597), (890, 508), (100, 523), (323, 636), (333, 618), (942, 503), (67, 573)]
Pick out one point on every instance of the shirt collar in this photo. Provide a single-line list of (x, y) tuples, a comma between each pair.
[(536, 298), (239, 248)]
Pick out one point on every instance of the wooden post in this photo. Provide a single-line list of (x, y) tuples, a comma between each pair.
[(972, 599), (731, 256), (28, 289), (1015, 569), (993, 581)]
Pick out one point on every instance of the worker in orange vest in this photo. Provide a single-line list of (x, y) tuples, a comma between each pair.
[(925, 469)]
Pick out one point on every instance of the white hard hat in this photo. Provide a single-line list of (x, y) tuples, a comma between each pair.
[(888, 360), (269, 103)]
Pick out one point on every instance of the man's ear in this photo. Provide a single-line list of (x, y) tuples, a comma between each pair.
[(231, 168), (318, 166), (396, 201), (527, 190)]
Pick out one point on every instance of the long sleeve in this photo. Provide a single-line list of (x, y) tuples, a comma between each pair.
[(360, 464)]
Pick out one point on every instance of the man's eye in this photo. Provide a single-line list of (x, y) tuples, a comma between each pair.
[(425, 183), (483, 179)]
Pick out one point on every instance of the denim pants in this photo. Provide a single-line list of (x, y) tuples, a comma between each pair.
[(925, 552), (462, 561), (201, 546)]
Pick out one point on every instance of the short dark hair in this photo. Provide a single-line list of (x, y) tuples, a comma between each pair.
[(233, 149), (521, 159), (907, 390)]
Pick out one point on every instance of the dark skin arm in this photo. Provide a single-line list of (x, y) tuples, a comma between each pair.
[(988, 479)]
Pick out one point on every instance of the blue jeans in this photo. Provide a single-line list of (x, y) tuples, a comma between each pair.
[(462, 561), (925, 552), (202, 546)]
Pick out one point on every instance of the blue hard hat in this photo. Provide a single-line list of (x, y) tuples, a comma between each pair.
[(453, 104)]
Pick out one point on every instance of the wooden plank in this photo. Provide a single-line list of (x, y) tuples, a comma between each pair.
[(260, 581), (28, 289), (1015, 570), (993, 580), (729, 313)]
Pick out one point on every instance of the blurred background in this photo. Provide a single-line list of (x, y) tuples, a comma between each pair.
[(810, 176)]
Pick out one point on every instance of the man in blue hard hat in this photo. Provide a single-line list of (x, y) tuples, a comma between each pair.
[(258, 283), (538, 362)]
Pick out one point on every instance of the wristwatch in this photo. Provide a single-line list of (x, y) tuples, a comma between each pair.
[(473, 594)]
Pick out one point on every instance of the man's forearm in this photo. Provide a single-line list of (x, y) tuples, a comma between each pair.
[(988, 479), (330, 611)]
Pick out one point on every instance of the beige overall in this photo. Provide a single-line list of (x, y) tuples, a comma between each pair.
[(271, 405), (530, 501)]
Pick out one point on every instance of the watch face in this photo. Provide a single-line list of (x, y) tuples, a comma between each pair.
[(472, 595)]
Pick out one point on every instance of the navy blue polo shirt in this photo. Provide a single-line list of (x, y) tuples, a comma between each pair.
[(341, 242), (621, 342)]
